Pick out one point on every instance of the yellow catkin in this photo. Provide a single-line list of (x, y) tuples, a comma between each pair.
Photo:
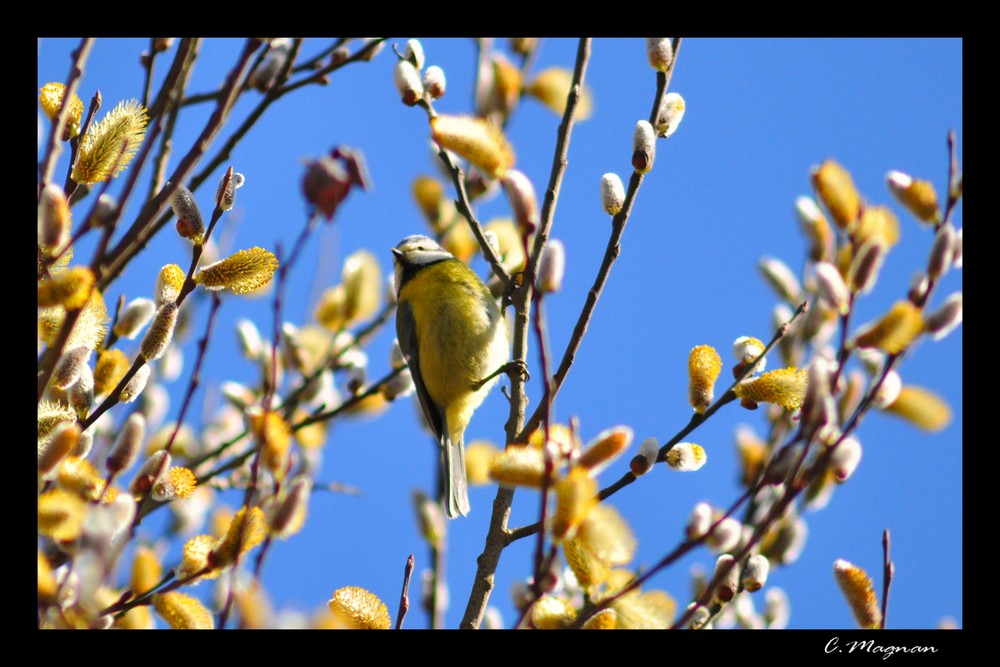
[(169, 282), (785, 387), (477, 461), (519, 466), (704, 366), (358, 609), (47, 585), (576, 495), (111, 367), (69, 289), (183, 612), (50, 415), (194, 558), (897, 329), (61, 514), (835, 187), (605, 448), (428, 193), (50, 99), (146, 570), (241, 273), (645, 611), (589, 570), (922, 408), (606, 535), (475, 139), (362, 280), (606, 619), (275, 439), (551, 87), (110, 145), (878, 224), (79, 475), (247, 530), (859, 592), (552, 613)]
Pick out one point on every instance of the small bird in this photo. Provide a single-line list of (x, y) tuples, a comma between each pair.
[(452, 333)]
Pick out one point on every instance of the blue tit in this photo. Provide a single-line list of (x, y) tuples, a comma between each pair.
[(452, 333)]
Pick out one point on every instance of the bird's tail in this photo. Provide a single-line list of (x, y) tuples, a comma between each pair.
[(456, 484)]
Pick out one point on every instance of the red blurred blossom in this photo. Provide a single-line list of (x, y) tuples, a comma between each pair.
[(331, 177)]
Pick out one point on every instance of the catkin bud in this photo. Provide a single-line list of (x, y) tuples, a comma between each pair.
[(956, 257), (169, 282), (845, 459), (942, 251), (746, 349), (290, 515), (888, 391), (225, 195), (523, 202), (189, 221), (135, 385), (945, 319), (686, 457), (612, 193), (434, 82), (249, 338), (552, 266), (70, 366), (160, 332), (700, 521), (916, 195), (643, 147), (726, 535), (700, 617), (660, 53), (430, 518), (127, 445), (781, 278), (755, 573), (61, 444), (643, 462), (414, 53), (919, 285), (816, 228), (408, 83), (727, 587), (53, 217), (864, 269), (153, 468), (134, 317), (671, 113), (831, 287)]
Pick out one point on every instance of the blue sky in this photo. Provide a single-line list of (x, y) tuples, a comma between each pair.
[(760, 114)]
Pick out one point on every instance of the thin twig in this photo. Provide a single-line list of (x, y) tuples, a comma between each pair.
[(888, 569), (404, 596), (496, 538)]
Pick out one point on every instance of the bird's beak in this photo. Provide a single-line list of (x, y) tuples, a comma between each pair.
[(397, 253)]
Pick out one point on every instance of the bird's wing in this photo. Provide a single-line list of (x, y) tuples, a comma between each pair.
[(406, 332)]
